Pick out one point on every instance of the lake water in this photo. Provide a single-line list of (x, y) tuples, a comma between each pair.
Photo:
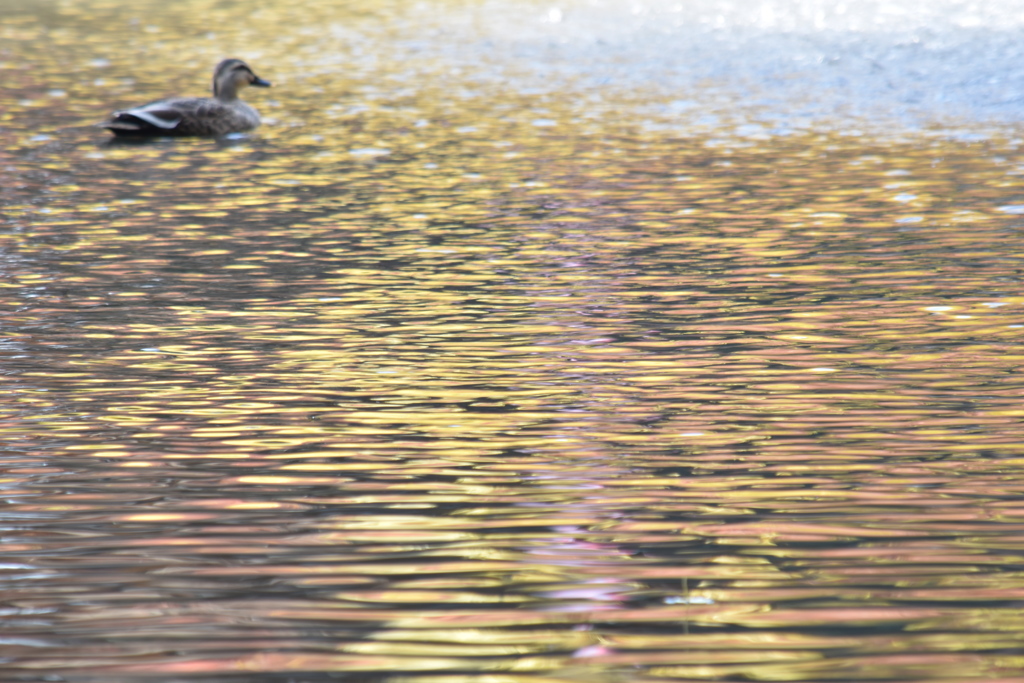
[(525, 342)]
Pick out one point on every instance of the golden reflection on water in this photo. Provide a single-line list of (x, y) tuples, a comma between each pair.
[(436, 380)]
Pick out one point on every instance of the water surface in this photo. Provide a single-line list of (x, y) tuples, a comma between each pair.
[(494, 357)]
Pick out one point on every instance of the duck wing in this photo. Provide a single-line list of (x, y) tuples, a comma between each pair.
[(155, 118)]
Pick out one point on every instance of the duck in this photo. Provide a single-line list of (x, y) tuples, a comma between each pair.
[(222, 114)]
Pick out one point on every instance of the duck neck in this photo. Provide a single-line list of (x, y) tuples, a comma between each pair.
[(225, 92)]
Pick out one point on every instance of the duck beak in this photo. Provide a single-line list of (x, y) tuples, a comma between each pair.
[(260, 83)]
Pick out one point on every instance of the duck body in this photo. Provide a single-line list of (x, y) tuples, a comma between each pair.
[(221, 114), (184, 116)]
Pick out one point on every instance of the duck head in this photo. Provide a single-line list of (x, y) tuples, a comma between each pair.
[(231, 75)]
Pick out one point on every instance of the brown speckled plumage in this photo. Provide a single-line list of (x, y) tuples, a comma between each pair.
[(218, 115)]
